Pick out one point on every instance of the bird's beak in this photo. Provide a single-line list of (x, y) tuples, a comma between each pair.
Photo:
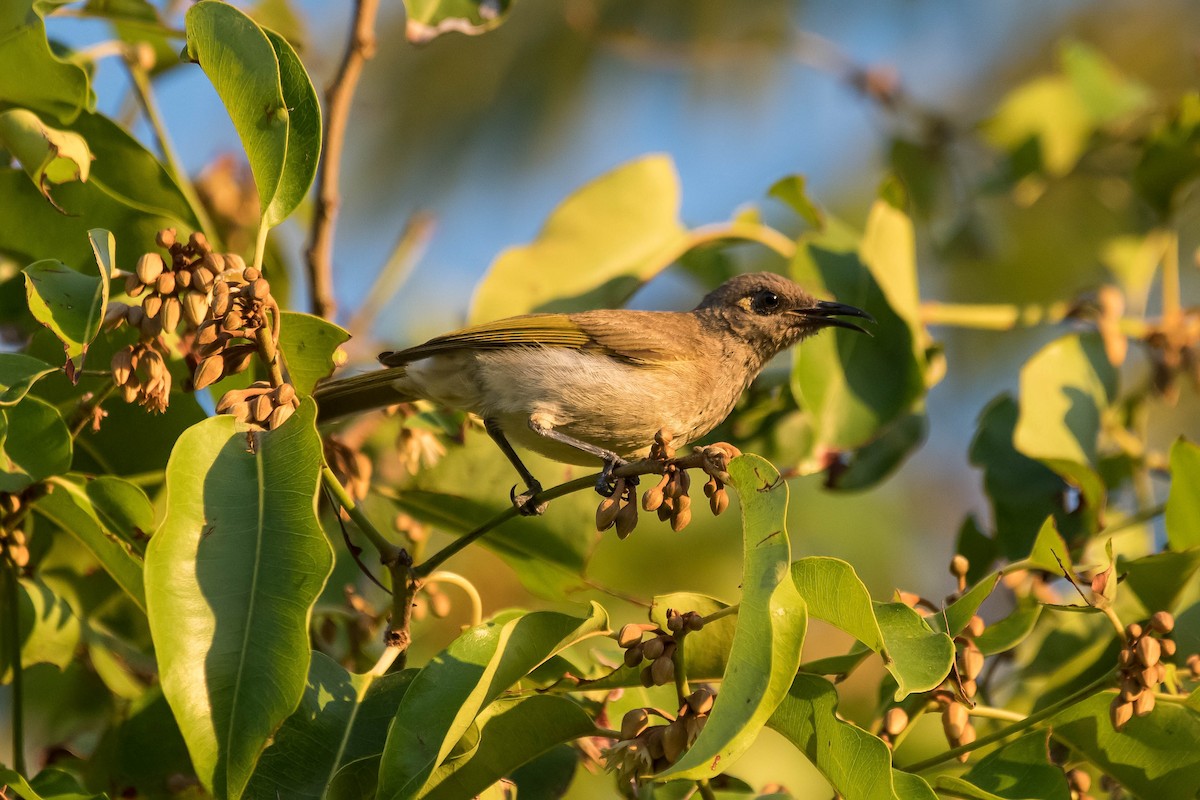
[(826, 313)]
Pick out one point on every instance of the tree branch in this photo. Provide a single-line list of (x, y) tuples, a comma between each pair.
[(338, 98)]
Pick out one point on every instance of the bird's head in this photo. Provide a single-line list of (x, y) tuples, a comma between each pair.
[(771, 313)]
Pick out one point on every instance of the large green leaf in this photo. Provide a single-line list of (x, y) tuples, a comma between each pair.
[(511, 733), (109, 517), (857, 764), (34, 444), (1020, 770), (49, 631), (596, 248), (1153, 756), (47, 155), (31, 75), (1159, 579), (1183, 503), (269, 98), (341, 718), (18, 372), (1007, 633), (231, 576), (444, 699), (851, 387), (771, 622), (834, 593), (308, 344), (428, 19), (70, 303)]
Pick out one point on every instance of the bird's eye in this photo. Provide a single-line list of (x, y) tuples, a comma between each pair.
[(766, 302)]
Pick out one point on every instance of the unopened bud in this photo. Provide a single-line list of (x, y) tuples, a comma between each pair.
[(1133, 631), (634, 722), (701, 701), (1144, 704), (195, 307), (1120, 712), (652, 499), (165, 283), (633, 655), (663, 670), (968, 736), (653, 648), (975, 627), (954, 721), (626, 519), (675, 740), (149, 267), (959, 566), (606, 513), (280, 415), (209, 372), (251, 274), (1162, 622), (165, 238), (895, 721), (1148, 650), (683, 513), (719, 502), (152, 305)]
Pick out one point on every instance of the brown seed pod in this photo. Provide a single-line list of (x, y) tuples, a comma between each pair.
[(633, 656), (149, 267), (719, 502), (675, 740), (626, 519), (209, 372), (682, 514), (238, 358), (955, 720), (1144, 704), (653, 648), (122, 365), (646, 677), (280, 415), (165, 283), (606, 513), (171, 311), (114, 314), (183, 278), (133, 286), (165, 238), (1120, 712), (1133, 631), (262, 407), (1148, 650), (701, 701), (1162, 622), (195, 307), (970, 662), (968, 736), (234, 263), (152, 305), (634, 722), (652, 499), (259, 289), (975, 627), (214, 263), (663, 670), (286, 393), (1168, 647), (895, 721), (251, 274)]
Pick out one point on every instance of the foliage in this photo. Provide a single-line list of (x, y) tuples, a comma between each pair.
[(177, 575)]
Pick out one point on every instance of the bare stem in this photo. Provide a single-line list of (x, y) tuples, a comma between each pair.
[(86, 409), (467, 587), (388, 552), (338, 98), (721, 612)]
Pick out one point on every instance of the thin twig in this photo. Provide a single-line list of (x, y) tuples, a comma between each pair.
[(338, 98), (469, 588)]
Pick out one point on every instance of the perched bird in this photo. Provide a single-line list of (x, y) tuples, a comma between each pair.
[(598, 385)]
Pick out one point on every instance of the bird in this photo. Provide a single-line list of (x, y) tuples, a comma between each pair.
[(596, 386)]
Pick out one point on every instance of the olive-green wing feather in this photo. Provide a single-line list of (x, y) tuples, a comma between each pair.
[(639, 337)]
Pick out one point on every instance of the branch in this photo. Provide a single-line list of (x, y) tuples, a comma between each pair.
[(338, 98)]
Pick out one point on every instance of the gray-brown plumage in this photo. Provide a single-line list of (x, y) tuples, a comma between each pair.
[(599, 384)]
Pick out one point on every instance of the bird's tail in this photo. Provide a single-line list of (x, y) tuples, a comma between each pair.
[(383, 387)]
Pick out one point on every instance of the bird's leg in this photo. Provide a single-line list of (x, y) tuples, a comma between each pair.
[(605, 483), (523, 502)]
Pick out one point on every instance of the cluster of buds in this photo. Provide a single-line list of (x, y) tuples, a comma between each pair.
[(1141, 667), (645, 749), (140, 371), (968, 663), (227, 340), (261, 405), (619, 509), (14, 548), (659, 650)]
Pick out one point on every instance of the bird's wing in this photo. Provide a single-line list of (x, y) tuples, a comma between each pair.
[(616, 333)]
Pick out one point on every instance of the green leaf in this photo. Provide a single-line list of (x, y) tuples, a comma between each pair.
[(793, 190), (1018, 770), (1183, 503), (1065, 388), (231, 577), (921, 656), (1152, 756), (49, 784), (1049, 552), (48, 155), (617, 232), (1005, 634), (857, 764), (308, 344), (1171, 158), (849, 386), (269, 98), (511, 733), (18, 372), (549, 776), (30, 74), (341, 718), (67, 302), (878, 459), (771, 623), (34, 444), (428, 19), (956, 616), (444, 699), (1023, 491), (1160, 578), (109, 520), (49, 630)]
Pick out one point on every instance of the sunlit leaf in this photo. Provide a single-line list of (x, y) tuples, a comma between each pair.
[(69, 303), (231, 576), (595, 250), (341, 718), (308, 344), (1017, 771), (771, 624), (18, 372), (49, 784), (444, 699), (512, 732), (268, 96), (1152, 756), (857, 764), (34, 444), (1183, 503), (956, 616), (428, 19), (1007, 633), (793, 190), (48, 155), (49, 630), (31, 75)]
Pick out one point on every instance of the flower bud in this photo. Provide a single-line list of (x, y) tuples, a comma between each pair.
[(606, 513), (251, 274), (234, 263), (663, 671), (114, 314), (652, 499), (626, 520), (259, 289), (646, 677), (634, 722), (149, 267), (675, 740), (261, 408), (286, 393), (968, 736), (1162, 622), (199, 242), (630, 634), (1133, 631), (1168, 647), (165, 283), (701, 701), (122, 366), (1120, 712), (152, 305), (719, 502), (959, 566), (165, 238), (195, 307), (209, 372), (954, 721), (683, 513), (133, 287), (895, 721), (171, 311), (279, 416), (1148, 650), (1144, 704), (653, 648), (633, 655)]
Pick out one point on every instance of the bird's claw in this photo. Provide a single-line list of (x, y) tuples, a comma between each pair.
[(606, 484), (524, 501)]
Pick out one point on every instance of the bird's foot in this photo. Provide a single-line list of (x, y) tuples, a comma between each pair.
[(606, 484), (524, 502)]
